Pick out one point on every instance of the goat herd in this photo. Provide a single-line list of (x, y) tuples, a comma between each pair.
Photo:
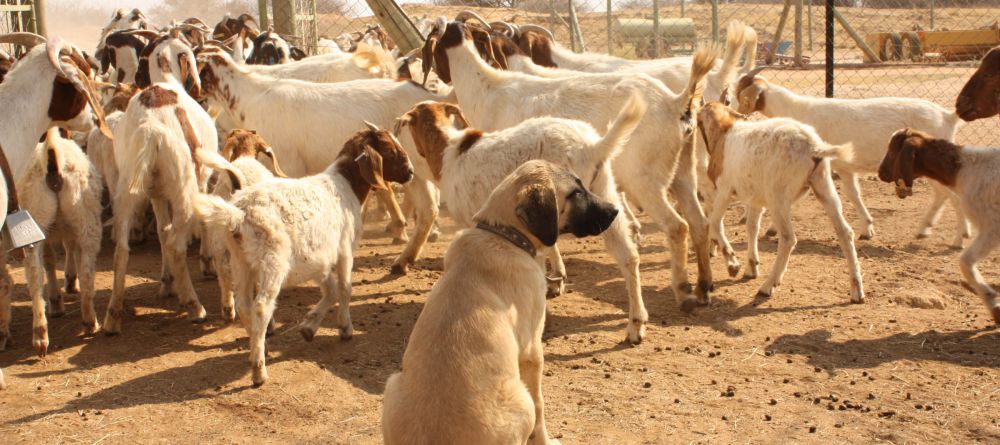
[(496, 120)]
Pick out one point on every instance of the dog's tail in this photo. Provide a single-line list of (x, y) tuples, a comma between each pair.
[(619, 131), (218, 215), (216, 162), (843, 153)]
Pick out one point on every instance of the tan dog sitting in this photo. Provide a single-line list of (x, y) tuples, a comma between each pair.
[(472, 370)]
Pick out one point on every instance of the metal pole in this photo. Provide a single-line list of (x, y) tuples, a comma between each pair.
[(656, 29), (41, 24), (715, 20), (932, 15), (262, 13), (798, 33), (682, 8), (829, 48), (777, 33), (609, 26), (810, 25)]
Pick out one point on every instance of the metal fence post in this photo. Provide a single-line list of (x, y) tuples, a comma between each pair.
[(829, 48), (798, 33)]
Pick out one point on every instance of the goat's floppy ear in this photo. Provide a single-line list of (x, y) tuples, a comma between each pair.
[(453, 110), (267, 151), (752, 98), (536, 209), (370, 164), (427, 54)]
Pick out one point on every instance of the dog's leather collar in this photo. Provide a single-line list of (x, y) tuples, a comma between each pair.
[(510, 234)]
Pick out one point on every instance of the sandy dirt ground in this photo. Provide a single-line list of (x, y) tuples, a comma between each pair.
[(917, 363)]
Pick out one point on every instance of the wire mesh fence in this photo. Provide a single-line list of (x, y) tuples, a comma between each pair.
[(913, 48)]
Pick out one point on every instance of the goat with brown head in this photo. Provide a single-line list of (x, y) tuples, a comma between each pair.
[(913, 154), (370, 158), (247, 143), (446, 35), (980, 97)]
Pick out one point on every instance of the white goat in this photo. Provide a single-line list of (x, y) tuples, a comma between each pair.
[(49, 86), (674, 72), (283, 232), (62, 191), (866, 124), (158, 146), (292, 114), (467, 164), (658, 159), (368, 62), (770, 164), (971, 172), (242, 147)]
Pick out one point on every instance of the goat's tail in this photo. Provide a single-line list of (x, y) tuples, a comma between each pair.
[(218, 215), (702, 62), (375, 60), (750, 43), (843, 153), (735, 37), (139, 160), (216, 162), (620, 130)]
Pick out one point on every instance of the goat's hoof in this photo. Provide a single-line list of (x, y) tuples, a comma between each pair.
[(308, 333), (346, 332), (4, 337), (398, 240), (399, 269), (956, 244), (434, 235), (228, 313), (733, 269), (771, 232), (857, 299), (689, 304), (750, 274), (92, 327), (196, 312), (556, 287), (72, 286), (113, 322), (57, 308), (762, 295), (704, 292), (40, 340), (865, 237), (636, 331), (923, 235), (995, 311), (259, 376)]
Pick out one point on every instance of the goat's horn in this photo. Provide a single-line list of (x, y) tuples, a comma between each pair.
[(511, 32), (26, 39), (755, 71), (195, 21), (145, 33), (467, 14), (442, 23), (371, 126), (537, 28), (54, 49)]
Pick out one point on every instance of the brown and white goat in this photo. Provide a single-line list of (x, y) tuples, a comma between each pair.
[(283, 232), (980, 97), (771, 163), (971, 172), (50, 86)]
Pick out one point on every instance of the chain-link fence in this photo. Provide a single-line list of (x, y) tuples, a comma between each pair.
[(17, 16), (914, 48)]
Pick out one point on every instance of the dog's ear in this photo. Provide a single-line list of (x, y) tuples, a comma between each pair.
[(536, 208), (370, 164)]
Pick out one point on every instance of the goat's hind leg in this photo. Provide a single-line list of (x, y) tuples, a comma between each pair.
[(676, 228), (175, 240), (57, 304), (781, 217), (980, 247), (259, 313), (822, 186), (71, 271)]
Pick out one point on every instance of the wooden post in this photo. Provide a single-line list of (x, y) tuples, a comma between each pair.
[(854, 35), (41, 23), (777, 32), (810, 25), (798, 32), (262, 14), (609, 27), (576, 35), (715, 20), (656, 29), (284, 16), (397, 24)]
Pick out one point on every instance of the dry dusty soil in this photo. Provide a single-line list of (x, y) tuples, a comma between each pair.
[(917, 363)]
